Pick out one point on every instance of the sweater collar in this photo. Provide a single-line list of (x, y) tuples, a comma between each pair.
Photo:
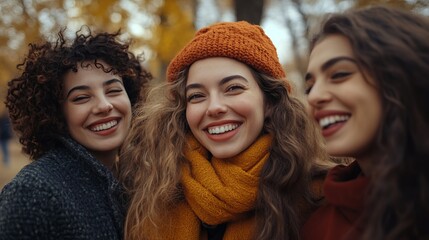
[(346, 186), (84, 156)]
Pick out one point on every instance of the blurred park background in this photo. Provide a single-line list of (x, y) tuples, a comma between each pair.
[(159, 28)]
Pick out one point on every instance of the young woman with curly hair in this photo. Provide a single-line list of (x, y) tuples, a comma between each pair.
[(222, 150), (368, 88), (71, 108)]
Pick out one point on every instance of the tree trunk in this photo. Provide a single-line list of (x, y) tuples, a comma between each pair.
[(249, 10)]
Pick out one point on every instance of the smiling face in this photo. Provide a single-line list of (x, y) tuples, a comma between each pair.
[(346, 105), (97, 110), (225, 106)]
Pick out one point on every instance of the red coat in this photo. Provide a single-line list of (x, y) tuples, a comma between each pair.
[(336, 219)]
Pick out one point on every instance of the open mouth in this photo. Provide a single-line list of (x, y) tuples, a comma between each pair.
[(222, 129), (331, 120), (104, 126)]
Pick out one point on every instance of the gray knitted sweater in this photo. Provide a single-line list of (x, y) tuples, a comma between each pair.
[(66, 194)]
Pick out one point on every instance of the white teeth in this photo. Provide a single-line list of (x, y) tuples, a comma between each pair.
[(326, 121), (104, 126), (222, 129)]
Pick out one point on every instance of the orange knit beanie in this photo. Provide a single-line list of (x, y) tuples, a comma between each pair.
[(241, 41)]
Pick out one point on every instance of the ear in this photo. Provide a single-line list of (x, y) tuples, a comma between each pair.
[(268, 110)]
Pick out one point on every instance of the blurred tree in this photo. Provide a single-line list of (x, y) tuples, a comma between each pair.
[(297, 17), (158, 27), (297, 42), (176, 27), (19, 25), (25, 21), (300, 16), (415, 5), (249, 10), (177, 24)]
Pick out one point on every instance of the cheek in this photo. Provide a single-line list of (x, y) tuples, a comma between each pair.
[(72, 116), (253, 108), (129, 109), (124, 106), (192, 115)]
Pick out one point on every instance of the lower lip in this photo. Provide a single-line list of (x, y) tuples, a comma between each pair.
[(223, 136), (332, 129)]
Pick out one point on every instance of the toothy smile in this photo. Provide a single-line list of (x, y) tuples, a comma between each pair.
[(104, 126), (222, 129), (328, 121)]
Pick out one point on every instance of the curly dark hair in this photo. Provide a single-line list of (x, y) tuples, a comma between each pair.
[(34, 99), (392, 46)]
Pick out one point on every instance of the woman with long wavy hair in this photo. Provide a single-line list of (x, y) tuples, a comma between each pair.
[(368, 88), (222, 150)]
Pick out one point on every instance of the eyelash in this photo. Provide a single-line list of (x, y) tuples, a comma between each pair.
[(340, 75), (79, 98), (110, 91), (335, 76), (234, 87), (231, 88), (116, 90), (193, 96)]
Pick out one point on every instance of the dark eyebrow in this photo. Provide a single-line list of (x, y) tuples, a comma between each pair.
[(329, 63), (111, 81), (84, 87), (223, 81)]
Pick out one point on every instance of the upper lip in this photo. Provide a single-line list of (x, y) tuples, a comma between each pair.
[(104, 120), (324, 113), (220, 123)]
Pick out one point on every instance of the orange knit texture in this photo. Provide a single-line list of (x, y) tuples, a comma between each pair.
[(241, 41)]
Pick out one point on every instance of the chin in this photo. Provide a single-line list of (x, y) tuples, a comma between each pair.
[(224, 155)]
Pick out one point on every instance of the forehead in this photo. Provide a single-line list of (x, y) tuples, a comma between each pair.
[(87, 72), (331, 46), (216, 68)]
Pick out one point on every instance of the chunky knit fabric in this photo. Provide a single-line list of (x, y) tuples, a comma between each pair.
[(216, 191), (241, 41), (66, 194)]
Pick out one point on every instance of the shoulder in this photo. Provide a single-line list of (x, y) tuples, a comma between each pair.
[(34, 179), (28, 202), (37, 178)]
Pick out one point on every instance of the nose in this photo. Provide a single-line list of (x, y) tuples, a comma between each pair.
[(103, 105), (216, 107), (319, 95)]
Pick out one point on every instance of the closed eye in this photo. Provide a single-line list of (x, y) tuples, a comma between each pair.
[(115, 91), (80, 99)]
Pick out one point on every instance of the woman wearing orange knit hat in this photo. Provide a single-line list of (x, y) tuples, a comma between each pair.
[(222, 150)]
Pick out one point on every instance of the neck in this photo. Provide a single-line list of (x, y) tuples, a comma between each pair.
[(366, 162), (364, 166), (367, 157), (106, 158)]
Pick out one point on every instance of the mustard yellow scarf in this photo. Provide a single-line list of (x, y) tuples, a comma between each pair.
[(216, 191)]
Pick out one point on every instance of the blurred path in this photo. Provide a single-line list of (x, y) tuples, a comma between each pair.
[(17, 161)]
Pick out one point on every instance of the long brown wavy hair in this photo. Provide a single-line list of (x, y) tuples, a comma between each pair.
[(152, 156), (392, 46), (34, 98)]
